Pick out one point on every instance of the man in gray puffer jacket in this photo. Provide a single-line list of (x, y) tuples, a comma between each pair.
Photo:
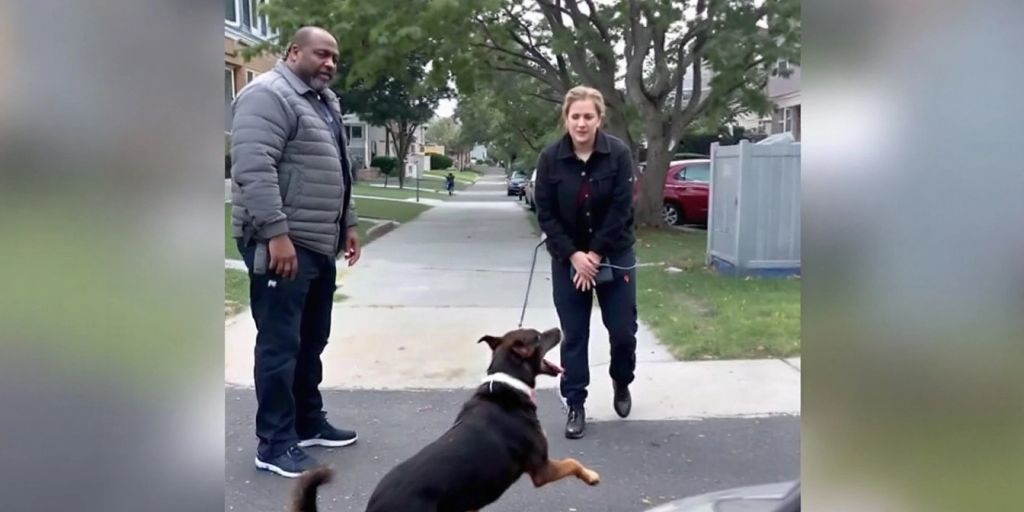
[(291, 196)]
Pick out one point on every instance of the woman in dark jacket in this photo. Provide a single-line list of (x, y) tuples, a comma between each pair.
[(584, 199)]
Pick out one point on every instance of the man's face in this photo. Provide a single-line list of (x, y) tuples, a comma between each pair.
[(316, 62)]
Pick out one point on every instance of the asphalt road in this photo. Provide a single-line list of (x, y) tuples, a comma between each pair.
[(642, 463)]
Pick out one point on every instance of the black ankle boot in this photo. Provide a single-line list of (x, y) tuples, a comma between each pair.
[(576, 423), (623, 402)]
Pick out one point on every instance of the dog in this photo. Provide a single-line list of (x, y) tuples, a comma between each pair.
[(496, 438)]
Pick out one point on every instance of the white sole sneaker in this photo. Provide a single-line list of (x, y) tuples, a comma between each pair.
[(306, 443), (274, 469)]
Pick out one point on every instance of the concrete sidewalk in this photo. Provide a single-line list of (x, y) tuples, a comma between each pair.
[(424, 294)]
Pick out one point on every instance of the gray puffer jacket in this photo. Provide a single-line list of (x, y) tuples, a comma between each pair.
[(286, 165)]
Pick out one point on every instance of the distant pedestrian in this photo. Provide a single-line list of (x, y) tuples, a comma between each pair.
[(449, 183)]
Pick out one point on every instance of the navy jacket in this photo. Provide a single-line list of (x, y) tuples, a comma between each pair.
[(586, 206)]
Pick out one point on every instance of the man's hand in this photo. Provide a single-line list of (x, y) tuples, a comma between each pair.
[(283, 260), (352, 248), (594, 258)]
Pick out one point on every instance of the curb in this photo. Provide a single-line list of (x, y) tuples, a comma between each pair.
[(381, 229)]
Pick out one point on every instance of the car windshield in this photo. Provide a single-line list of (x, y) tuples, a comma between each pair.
[(698, 172)]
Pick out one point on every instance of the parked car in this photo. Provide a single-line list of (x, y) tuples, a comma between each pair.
[(517, 184), (687, 188), (779, 497), (531, 187), (686, 191)]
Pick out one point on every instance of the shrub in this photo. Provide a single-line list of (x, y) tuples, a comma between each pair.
[(439, 162), (386, 164)]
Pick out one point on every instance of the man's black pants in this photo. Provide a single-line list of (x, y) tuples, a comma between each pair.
[(617, 300), (293, 320)]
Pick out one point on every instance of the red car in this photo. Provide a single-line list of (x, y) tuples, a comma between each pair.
[(687, 187)]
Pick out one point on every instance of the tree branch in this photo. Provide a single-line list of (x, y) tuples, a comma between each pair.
[(526, 139), (662, 80), (556, 79), (549, 99), (604, 54), (594, 20), (528, 71), (531, 48), (635, 87)]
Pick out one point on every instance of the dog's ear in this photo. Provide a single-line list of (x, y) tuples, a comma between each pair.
[(549, 338), (491, 340)]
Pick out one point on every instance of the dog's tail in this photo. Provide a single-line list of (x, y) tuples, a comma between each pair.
[(304, 495)]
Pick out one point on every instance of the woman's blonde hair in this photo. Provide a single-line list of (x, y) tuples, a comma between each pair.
[(582, 92)]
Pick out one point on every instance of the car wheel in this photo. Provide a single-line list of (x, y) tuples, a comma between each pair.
[(671, 214)]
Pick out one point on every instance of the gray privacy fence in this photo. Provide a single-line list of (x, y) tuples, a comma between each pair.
[(754, 209)]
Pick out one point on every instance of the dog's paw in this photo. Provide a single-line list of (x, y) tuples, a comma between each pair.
[(591, 477)]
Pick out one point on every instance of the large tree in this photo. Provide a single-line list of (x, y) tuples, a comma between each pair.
[(651, 59), (509, 120), (660, 64), (398, 101), (398, 97)]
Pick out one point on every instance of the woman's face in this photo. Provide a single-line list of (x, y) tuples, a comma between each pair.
[(582, 121)]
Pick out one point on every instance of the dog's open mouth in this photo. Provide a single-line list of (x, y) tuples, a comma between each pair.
[(549, 368)]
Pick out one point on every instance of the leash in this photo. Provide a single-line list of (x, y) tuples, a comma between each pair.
[(529, 282), (533, 266)]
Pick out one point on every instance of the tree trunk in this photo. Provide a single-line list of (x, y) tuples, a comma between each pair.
[(648, 211), (615, 124)]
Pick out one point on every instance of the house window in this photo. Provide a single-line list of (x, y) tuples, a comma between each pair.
[(250, 75), (264, 23), (787, 119), (247, 14), (254, 20), (229, 83), (354, 132), (229, 95), (782, 67), (231, 11)]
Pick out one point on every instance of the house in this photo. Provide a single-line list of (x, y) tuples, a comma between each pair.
[(243, 27), (784, 92), (479, 153), (366, 141)]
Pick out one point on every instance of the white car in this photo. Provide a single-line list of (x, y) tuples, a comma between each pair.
[(778, 497), (531, 187)]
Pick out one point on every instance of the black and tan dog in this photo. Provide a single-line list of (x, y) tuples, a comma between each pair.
[(496, 438)]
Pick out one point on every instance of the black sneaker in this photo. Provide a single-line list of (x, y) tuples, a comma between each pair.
[(576, 423), (330, 437), (292, 463), (622, 402)]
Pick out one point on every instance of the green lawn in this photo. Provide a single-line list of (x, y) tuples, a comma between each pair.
[(236, 291), (390, 210), (230, 247), (393, 192), (431, 180), (429, 185), (401, 212), (464, 178), (236, 282), (701, 315)]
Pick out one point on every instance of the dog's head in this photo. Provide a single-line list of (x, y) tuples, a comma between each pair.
[(520, 353)]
